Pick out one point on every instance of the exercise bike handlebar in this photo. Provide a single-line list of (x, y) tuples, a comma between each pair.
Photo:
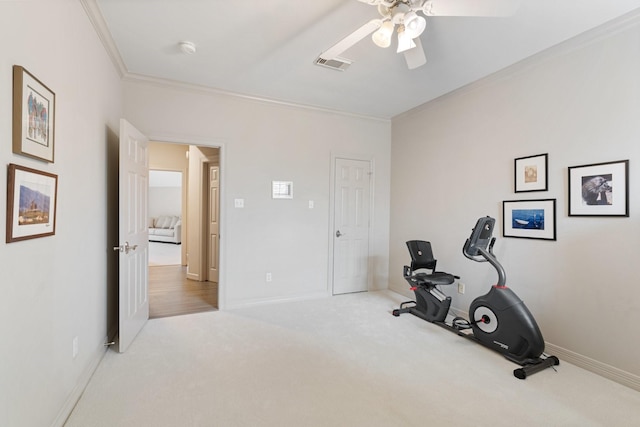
[(479, 247)]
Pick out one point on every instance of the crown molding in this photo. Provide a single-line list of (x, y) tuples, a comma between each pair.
[(190, 87), (97, 20)]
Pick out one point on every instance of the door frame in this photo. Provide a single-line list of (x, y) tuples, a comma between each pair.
[(332, 191), (218, 143)]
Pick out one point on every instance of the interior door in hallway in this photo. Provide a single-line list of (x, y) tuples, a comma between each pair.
[(352, 189), (133, 234), (214, 224)]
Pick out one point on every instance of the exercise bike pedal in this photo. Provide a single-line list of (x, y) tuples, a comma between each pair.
[(460, 324)]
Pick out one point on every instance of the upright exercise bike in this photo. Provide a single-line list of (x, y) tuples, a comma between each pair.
[(499, 319)]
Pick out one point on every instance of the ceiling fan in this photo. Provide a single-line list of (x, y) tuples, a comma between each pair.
[(402, 17)]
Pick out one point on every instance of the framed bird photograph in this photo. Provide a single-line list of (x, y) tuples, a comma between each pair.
[(599, 189)]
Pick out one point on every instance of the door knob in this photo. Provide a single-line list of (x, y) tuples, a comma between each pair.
[(125, 248), (338, 233)]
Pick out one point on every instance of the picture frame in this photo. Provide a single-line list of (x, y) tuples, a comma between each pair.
[(31, 203), (531, 173), (34, 111), (599, 189), (529, 219)]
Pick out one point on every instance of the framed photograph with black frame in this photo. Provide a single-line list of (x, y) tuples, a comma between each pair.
[(34, 111), (529, 219), (31, 203), (531, 173), (599, 189)]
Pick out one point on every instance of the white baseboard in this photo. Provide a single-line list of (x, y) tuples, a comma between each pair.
[(618, 375), (82, 383), (614, 374)]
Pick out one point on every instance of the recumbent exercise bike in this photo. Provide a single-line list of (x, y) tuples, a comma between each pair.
[(499, 319)]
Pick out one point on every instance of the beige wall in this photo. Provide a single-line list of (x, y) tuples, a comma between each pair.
[(64, 286), (261, 142), (453, 161)]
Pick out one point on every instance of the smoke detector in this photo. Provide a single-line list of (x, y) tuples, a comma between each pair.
[(187, 47)]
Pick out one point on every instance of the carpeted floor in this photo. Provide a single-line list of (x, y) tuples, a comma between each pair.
[(340, 361)]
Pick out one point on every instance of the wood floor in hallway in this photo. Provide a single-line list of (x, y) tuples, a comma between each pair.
[(172, 294)]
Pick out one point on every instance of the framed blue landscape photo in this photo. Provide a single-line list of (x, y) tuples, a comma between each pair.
[(529, 219)]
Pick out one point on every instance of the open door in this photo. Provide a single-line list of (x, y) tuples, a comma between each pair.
[(133, 234), (214, 224)]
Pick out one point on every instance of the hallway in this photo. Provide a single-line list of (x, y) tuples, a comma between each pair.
[(172, 294)]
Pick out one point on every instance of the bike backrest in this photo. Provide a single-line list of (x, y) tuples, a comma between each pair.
[(421, 255), (480, 237)]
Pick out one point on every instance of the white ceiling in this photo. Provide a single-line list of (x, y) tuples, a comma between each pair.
[(266, 49)]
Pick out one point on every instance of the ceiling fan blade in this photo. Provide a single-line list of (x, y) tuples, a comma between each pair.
[(470, 7), (415, 57), (351, 39)]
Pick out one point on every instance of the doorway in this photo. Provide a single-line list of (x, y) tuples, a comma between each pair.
[(165, 217), (173, 289)]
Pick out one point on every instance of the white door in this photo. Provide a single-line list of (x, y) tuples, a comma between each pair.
[(351, 226), (214, 225), (133, 234)]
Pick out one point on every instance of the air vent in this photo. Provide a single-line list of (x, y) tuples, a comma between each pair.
[(338, 64)]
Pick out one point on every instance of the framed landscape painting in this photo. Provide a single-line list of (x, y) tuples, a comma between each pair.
[(31, 203)]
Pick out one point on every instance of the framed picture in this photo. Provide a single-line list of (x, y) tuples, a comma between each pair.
[(529, 219), (531, 173), (600, 189), (34, 111), (31, 203)]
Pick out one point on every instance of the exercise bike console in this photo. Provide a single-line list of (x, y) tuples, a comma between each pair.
[(498, 320)]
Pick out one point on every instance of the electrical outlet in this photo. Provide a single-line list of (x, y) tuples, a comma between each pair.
[(268, 277), (74, 346), (460, 288)]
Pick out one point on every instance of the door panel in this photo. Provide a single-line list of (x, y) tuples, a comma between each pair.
[(133, 234), (214, 223), (351, 226)]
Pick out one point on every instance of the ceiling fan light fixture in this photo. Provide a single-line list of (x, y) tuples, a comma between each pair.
[(405, 41), (414, 25), (382, 37)]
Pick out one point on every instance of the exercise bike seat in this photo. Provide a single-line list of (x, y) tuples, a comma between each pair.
[(422, 259)]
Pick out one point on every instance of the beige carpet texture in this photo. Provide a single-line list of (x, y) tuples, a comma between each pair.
[(338, 361)]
